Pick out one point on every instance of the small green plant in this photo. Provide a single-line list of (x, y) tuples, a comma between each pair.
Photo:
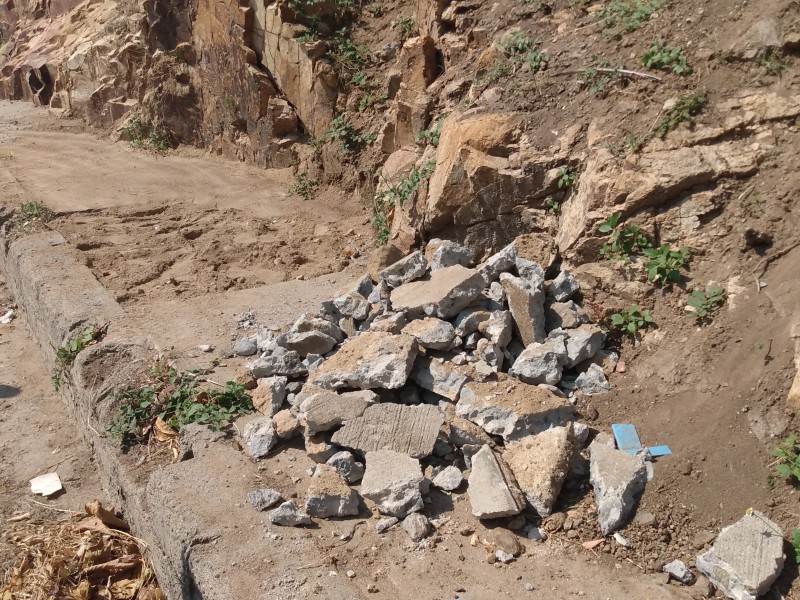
[(796, 545), (360, 79), (397, 194), (65, 355), (347, 57), (567, 178), (600, 78), (774, 62), (686, 108), (3, 39), (521, 49), (628, 15), (407, 26), (34, 211), (431, 136), (666, 58), (553, 206), (752, 204), (631, 321), (304, 186), (706, 303), (374, 9), (145, 137), (178, 400), (350, 139), (788, 464), (623, 242), (664, 264), (371, 99)]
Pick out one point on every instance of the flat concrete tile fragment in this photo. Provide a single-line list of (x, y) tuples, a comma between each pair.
[(327, 409), (526, 304), (392, 481), (411, 430), (492, 491), (444, 295), (618, 479)]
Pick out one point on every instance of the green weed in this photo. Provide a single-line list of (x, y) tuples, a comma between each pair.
[(796, 545), (65, 355), (374, 9), (631, 321), (178, 400), (686, 108), (666, 58), (304, 186), (145, 137), (431, 136), (628, 15), (599, 78), (622, 243), (347, 57), (521, 49), (788, 464), (706, 303), (349, 138), (567, 178), (664, 264), (34, 211), (553, 206), (397, 194), (774, 62), (407, 26)]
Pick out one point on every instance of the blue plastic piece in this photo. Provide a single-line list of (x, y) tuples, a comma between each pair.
[(628, 440)]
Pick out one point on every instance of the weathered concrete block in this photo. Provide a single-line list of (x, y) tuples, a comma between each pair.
[(527, 307), (432, 333), (449, 478), (260, 436), (287, 363), (541, 363), (498, 263), (326, 409), (263, 498), (392, 481), (347, 466), (404, 270), (498, 328), (447, 292), (289, 515), (618, 479), (268, 397), (563, 287), (329, 495), (492, 491), (417, 526), (439, 377), (448, 254)]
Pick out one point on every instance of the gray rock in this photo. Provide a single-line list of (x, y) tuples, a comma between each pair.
[(390, 323), (540, 464), (492, 491), (317, 446), (286, 424), (511, 408), (411, 430), (245, 347), (489, 354), (593, 381), (541, 363), (431, 333), (269, 395), (308, 342), (531, 272), (563, 287), (392, 481), (313, 362), (464, 432), (329, 495), (678, 571), (404, 270), (287, 363), (504, 557), (496, 295), (564, 315), (527, 307), (265, 340), (468, 321), (438, 376), (472, 341), (498, 263), (353, 305), (347, 466), (444, 295), (618, 479), (263, 498), (746, 558), (498, 328), (365, 286), (417, 526), (371, 360), (260, 436), (449, 254), (448, 479), (326, 409), (304, 323), (385, 523), (289, 515), (583, 343)]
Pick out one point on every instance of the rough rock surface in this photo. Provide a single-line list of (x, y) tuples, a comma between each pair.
[(449, 478), (371, 360), (268, 397), (541, 363), (618, 479), (288, 363), (286, 424), (309, 342), (431, 333), (347, 466), (582, 343), (593, 381), (564, 315), (416, 526), (406, 269), (392, 481), (289, 515), (260, 436), (526, 304), (563, 287), (492, 491), (540, 464), (443, 295), (326, 409), (678, 571), (329, 495), (411, 430), (263, 498), (511, 408), (746, 558), (438, 377), (447, 254)]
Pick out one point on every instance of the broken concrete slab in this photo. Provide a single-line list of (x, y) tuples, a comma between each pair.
[(307, 342), (449, 478), (540, 464), (511, 408), (392, 481), (326, 409), (618, 479), (286, 424), (317, 446), (289, 515), (347, 466), (329, 495), (405, 270), (268, 397), (498, 328), (444, 295), (263, 498), (678, 571), (260, 436), (531, 272), (389, 323), (492, 491), (417, 526), (287, 363), (371, 360), (564, 315), (411, 430), (527, 308), (304, 323), (431, 333), (463, 431), (353, 305), (467, 321), (541, 363), (593, 381), (746, 558), (245, 347), (563, 287), (448, 254), (438, 376), (583, 343), (502, 261)]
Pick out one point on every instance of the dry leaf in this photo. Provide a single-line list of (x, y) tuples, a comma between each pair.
[(592, 544), (93, 524), (81, 591), (106, 516), (164, 432), (117, 565), (152, 593)]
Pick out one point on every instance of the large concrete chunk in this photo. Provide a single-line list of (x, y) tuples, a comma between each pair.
[(540, 464), (492, 491), (447, 292), (308, 342), (404, 270), (329, 495), (260, 437), (498, 263), (392, 481), (431, 333), (449, 253), (541, 363), (618, 479), (439, 377), (512, 409), (582, 343), (268, 397), (371, 360), (411, 430), (305, 323), (498, 328), (326, 409), (747, 557), (288, 363), (527, 307)]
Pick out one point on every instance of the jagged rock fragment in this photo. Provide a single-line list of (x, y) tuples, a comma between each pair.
[(618, 479), (447, 292), (329, 495), (392, 481), (492, 491)]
